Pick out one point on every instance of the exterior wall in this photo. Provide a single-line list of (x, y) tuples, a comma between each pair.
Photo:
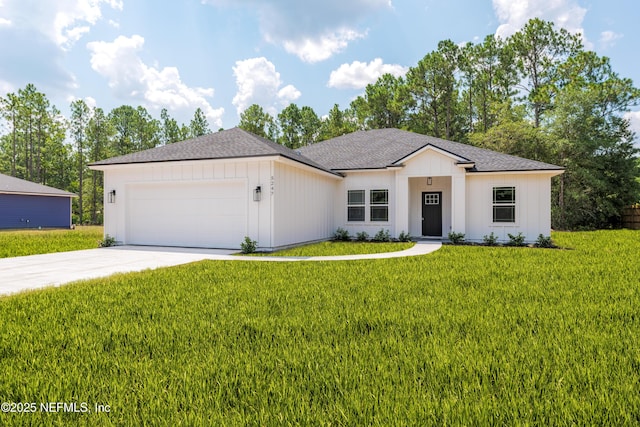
[(31, 211), (303, 204), (253, 172), (376, 180), (533, 205)]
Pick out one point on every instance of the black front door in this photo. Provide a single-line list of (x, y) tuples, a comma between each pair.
[(432, 214)]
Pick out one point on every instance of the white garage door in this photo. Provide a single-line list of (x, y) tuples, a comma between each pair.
[(194, 214)]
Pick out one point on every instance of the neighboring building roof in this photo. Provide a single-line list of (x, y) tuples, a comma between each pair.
[(12, 185), (381, 148), (226, 144)]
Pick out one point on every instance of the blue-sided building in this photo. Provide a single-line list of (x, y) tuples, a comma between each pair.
[(25, 204)]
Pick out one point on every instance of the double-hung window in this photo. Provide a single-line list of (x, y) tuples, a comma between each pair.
[(504, 204), (355, 205), (379, 200)]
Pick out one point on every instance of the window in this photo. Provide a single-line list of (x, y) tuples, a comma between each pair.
[(379, 205), (355, 205), (504, 204), (432, 199)]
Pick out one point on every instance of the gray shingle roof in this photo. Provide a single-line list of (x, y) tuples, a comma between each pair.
[(12, 185), (380, 148), (226, 144), (373, 149)]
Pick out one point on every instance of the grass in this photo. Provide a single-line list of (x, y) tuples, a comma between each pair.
[(464, 336), (30, 242), (342, 248)]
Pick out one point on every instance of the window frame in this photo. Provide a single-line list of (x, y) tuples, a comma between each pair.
[(500, 204), (379, 205), (356, 206)]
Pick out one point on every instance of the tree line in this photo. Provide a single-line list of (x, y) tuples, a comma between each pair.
[(538, 94)]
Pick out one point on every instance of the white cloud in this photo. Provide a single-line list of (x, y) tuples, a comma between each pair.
[(634, 120), (259, 83), (63, 22), (91, 102), (313, 30), (358, 75), (514, 14), (5, 22), (608, 39), (130, 77), (317, 49)]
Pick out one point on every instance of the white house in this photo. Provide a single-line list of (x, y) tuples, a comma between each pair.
[(214, 190)]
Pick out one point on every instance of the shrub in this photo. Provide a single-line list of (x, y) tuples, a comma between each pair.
[(517, 240), (544, 242), (107, 242), (362, 236), (341, 235), (404, 237), (456, 238), (490, 240), (382, 236), (248, 246)]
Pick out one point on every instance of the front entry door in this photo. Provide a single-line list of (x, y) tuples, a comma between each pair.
[(432, 214)]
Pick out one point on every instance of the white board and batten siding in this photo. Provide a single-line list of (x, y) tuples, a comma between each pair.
[(193, 204), (533, 198), (303, 204)]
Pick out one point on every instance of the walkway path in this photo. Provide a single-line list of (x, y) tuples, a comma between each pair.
[(38, 271)]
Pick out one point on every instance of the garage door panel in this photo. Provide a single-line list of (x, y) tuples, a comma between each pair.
[(211, 214)]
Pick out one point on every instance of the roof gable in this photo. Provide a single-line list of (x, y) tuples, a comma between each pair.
[(382, 148), (433, 148), (226, 144), (13, 185)]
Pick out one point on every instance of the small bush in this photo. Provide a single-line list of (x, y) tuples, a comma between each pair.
[(404, 237), (341, 235), (362, 236), (544, 242), (382, 236), (248, 246), (456, 238), (490, 240), (517, 240), (107, 242)]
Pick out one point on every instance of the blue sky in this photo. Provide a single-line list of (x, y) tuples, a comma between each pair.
[(224, 55)]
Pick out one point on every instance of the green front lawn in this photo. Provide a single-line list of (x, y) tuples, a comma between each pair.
[(342, 248), (30, 242), (464, 336)]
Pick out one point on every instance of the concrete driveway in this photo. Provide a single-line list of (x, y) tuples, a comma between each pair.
[(38, 271)]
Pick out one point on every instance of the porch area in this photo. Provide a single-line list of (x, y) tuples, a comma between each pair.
[(435, 205)]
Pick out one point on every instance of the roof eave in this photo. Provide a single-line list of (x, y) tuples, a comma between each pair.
[(101, 166), (553, 172), (331, 173), (269, 156), (378, 169), (27, 193)]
